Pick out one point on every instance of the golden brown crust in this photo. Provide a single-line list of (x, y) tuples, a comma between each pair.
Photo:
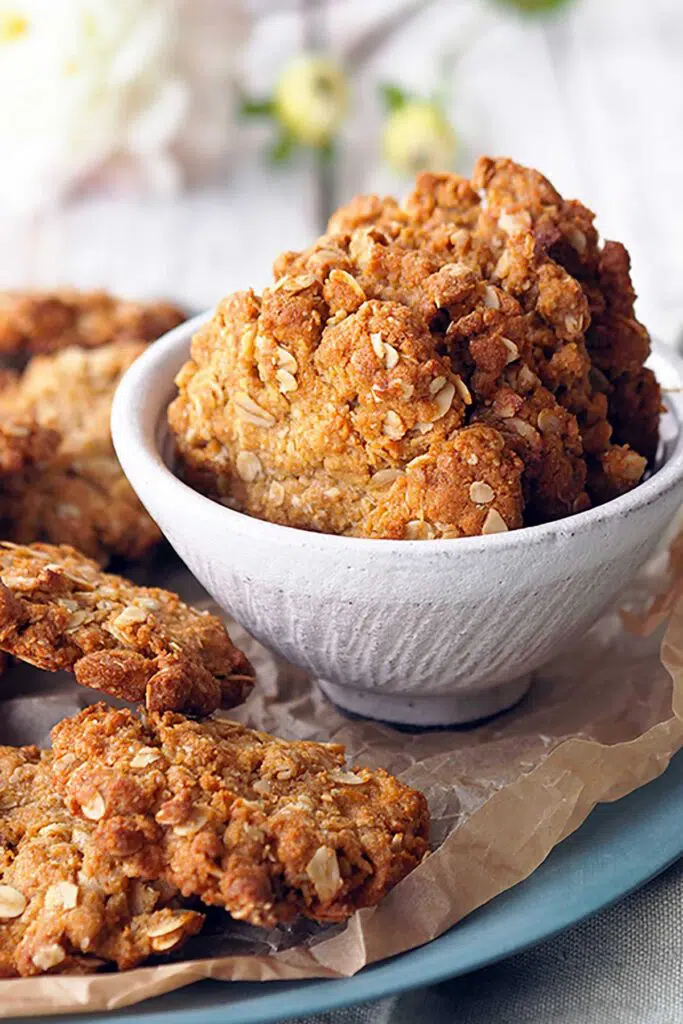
[(339, 394), (59, 611), (635, 404), (81, 495), (617, 344), (547, 439), (64, 908), (616, 471), (52, 320), (497, 289), (264, 827), (25, 445)]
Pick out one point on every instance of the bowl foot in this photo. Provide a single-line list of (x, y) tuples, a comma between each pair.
[(449, 709)]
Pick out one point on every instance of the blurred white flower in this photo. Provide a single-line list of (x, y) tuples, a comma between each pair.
[(109, 86)]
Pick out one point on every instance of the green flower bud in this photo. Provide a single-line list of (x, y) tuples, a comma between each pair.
[(418, 137), (534, 6), (311, 99)]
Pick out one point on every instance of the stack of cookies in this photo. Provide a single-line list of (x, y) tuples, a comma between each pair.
[(465, 362), (114, 843)]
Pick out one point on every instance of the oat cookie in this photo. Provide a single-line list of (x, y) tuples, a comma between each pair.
[(81, 496), (563, 299), (316, 406), (266, 828), (48, 321), (58, 610), (25, 447), (65, 907), (488, 302)]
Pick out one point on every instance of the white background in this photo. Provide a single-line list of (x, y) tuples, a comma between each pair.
[(594, 99)]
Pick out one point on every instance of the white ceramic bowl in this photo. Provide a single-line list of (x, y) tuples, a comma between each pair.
[(423, 632)]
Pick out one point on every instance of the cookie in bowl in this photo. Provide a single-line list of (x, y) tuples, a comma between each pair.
[(464, 363), (464, 368)]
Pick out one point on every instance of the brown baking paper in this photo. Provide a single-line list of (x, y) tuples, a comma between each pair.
[(600, 721)]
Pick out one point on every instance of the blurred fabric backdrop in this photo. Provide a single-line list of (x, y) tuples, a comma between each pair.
[(179, 199)]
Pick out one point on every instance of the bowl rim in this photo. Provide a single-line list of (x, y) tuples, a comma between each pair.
[(136, 414)]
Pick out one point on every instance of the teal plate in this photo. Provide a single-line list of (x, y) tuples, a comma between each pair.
[(618, 849)]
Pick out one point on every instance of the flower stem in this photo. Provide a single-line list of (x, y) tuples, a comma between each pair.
[(322, 162)]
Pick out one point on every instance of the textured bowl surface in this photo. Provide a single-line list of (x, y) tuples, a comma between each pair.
[(422, 632)]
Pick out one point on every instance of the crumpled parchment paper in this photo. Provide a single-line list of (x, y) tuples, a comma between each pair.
[(601, 720)]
